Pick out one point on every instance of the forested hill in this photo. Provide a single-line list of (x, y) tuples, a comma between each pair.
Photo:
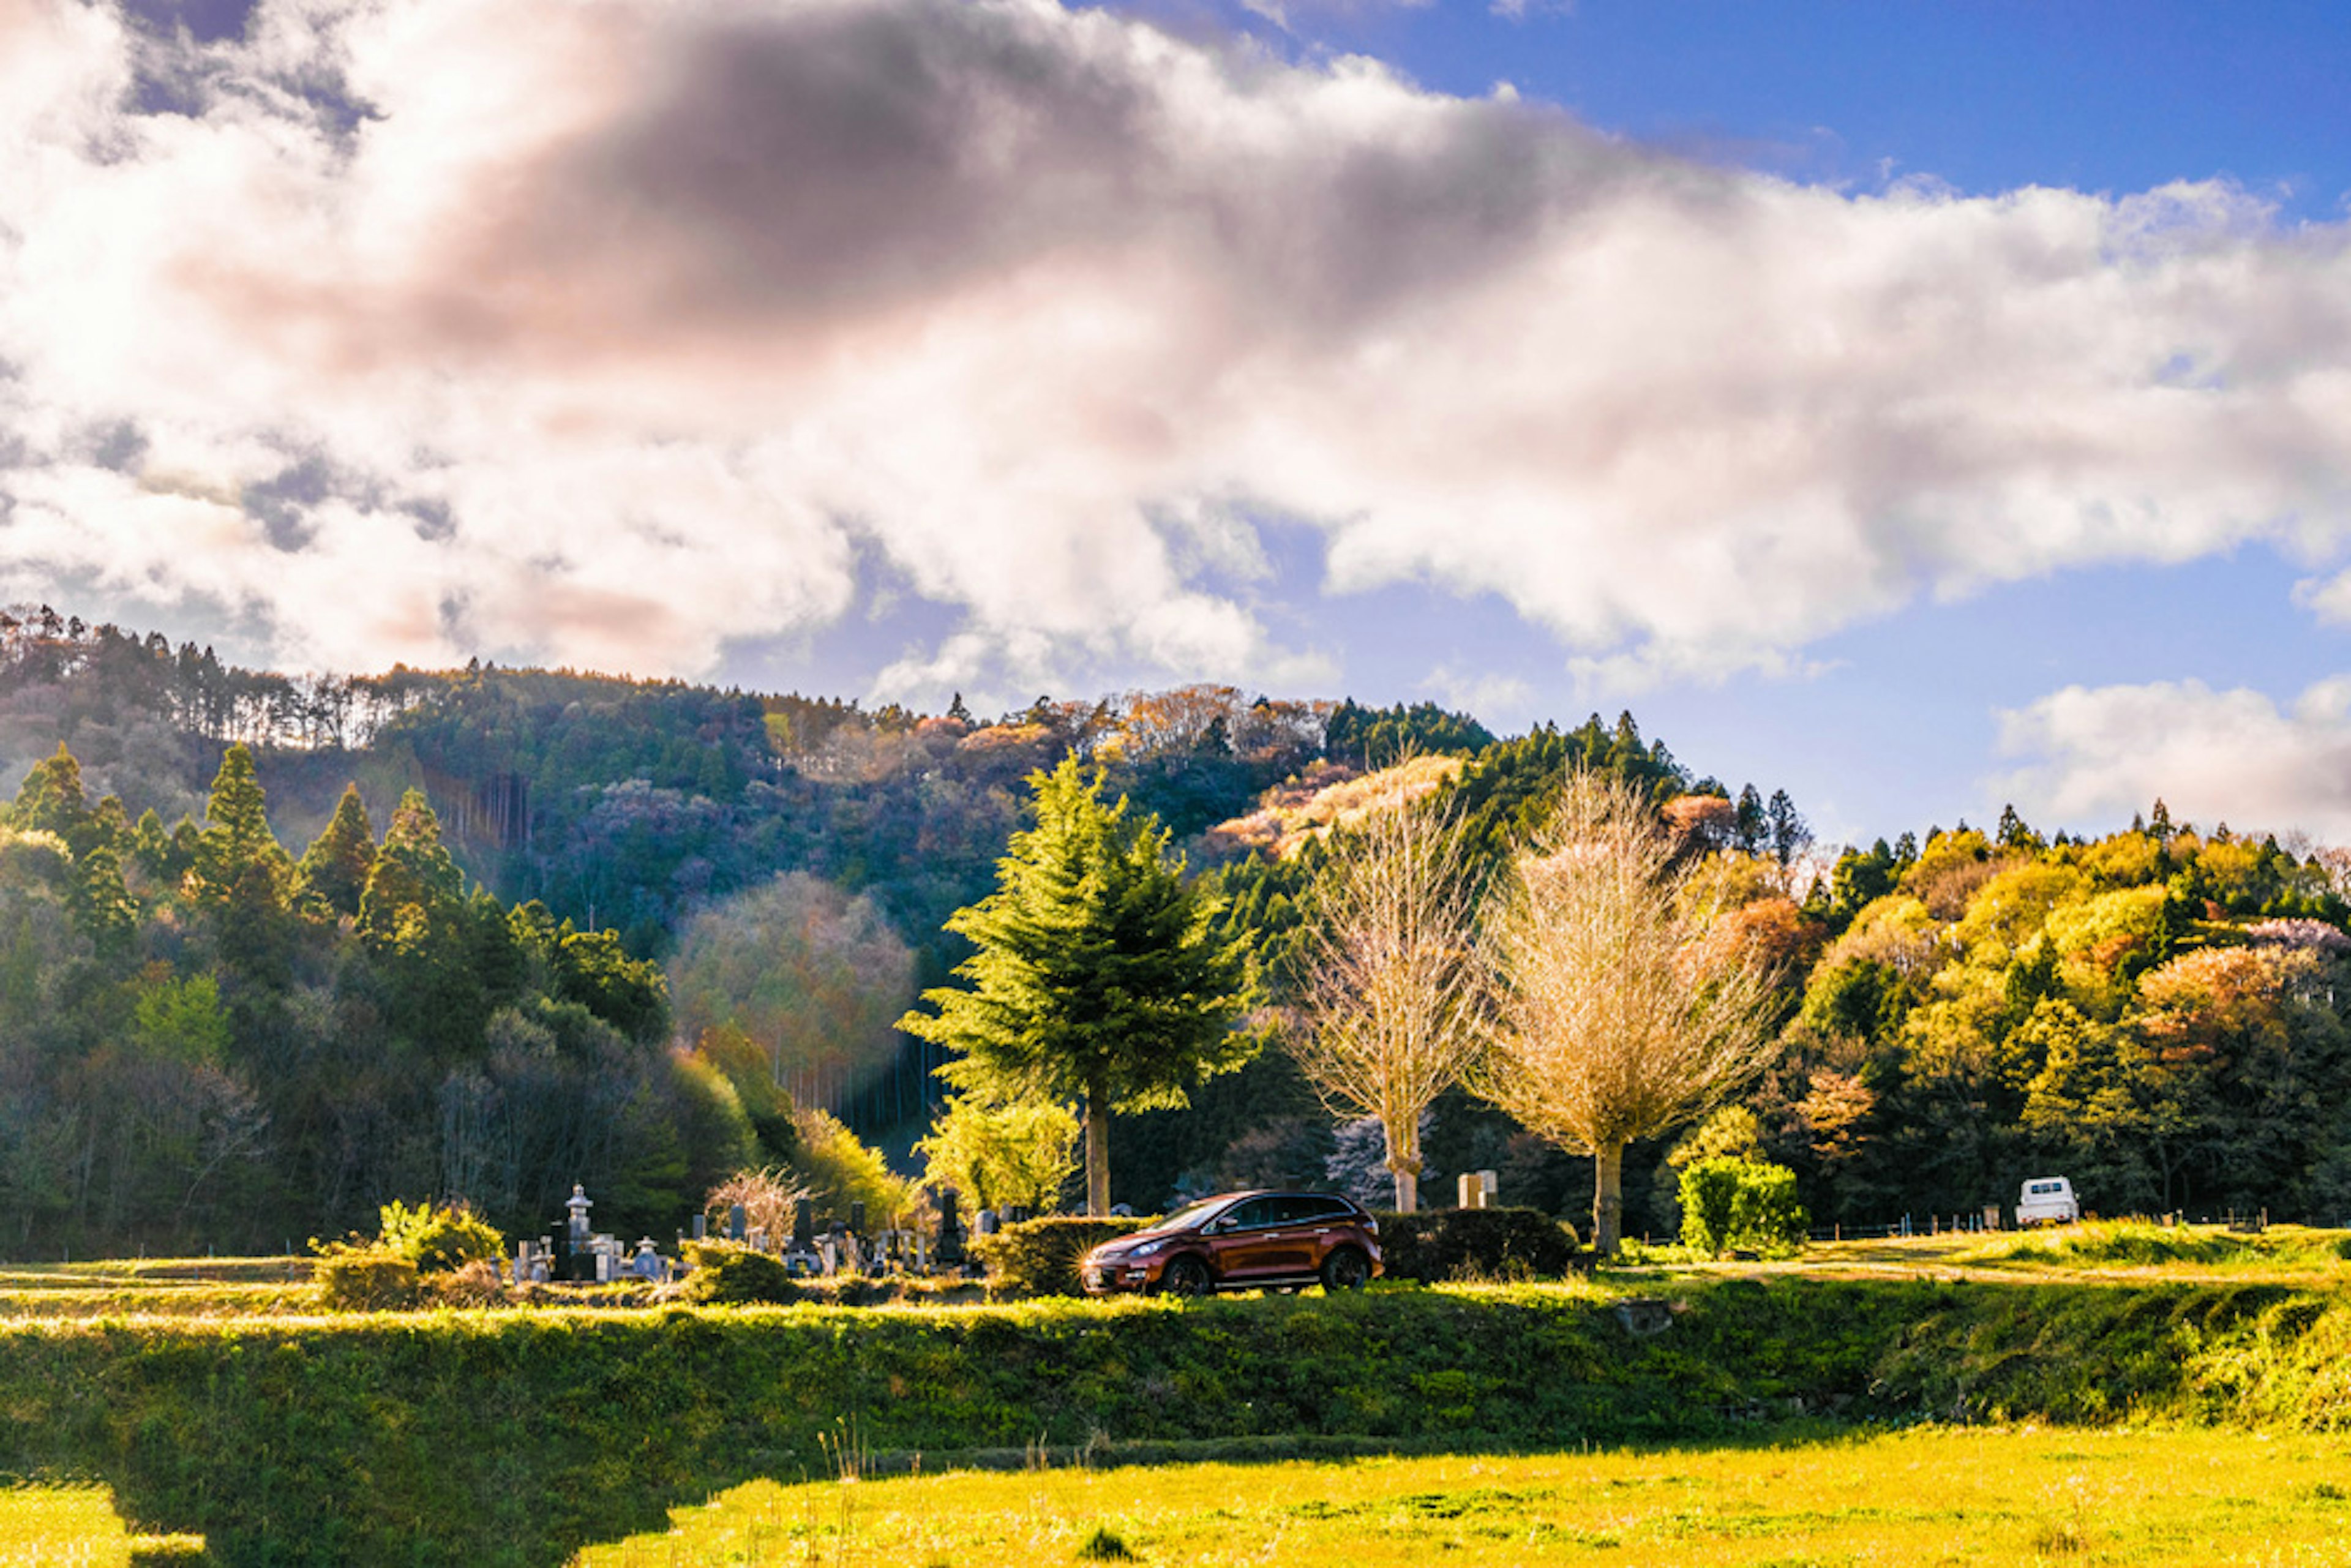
[(631, 804), (239, 1005), (571, 928)]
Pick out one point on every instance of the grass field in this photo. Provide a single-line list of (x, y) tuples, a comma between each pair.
[(163, 1287), (1925, 1496), (512, 1438), (77, 1527)]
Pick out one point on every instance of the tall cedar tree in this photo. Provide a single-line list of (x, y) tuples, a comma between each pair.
[(332, 875), (242, 873), (413, 917), (1098, 976)]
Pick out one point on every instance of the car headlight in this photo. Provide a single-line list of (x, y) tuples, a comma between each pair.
[(1148, 1249)]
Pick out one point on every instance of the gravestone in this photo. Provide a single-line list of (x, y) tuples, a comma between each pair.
[(739, 1220), (950, 1246), (803, 1225), (648, 1264)]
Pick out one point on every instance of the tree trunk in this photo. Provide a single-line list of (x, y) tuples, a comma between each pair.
[(1097, 1152), (1608, 1198), (1404, 1164)]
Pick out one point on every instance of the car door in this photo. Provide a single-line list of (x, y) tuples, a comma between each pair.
[(1294, 1243), (1241, 1240)]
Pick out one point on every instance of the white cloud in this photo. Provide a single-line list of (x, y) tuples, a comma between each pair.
[(611, 334), (2097, 755), (1495, 698)]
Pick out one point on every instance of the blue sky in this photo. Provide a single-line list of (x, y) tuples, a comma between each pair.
[(1916, 407)]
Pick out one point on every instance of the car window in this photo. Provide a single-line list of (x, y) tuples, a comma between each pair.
[(1304, 1207), (1185, 1219), (1255, 1211)]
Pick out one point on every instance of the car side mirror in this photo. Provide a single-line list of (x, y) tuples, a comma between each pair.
[(1216, 1227)]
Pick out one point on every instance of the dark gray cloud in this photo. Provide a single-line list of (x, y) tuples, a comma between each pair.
[(823, 162)]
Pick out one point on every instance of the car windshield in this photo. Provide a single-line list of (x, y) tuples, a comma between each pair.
[(1185, 1219)]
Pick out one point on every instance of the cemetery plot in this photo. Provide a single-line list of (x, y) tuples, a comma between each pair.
[(1929, 1495)]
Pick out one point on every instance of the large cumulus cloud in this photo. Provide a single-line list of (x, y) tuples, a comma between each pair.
[(609, 331)]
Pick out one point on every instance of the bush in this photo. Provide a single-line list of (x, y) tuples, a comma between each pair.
[(364, 1278), (726, 1274), (1728, 1203), (1442, 1244), (1040, 1257), (476, 1284), (439, 1238), (768, 1198)]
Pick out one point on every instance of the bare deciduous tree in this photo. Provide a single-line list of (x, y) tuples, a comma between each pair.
[(1624, 1007), (1393, 976)]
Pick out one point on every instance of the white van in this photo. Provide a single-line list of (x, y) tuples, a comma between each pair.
[(2047, 1200)]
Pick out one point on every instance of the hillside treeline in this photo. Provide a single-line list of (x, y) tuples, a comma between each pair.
[(487, 932), (2158, 1014), (207, 1040)]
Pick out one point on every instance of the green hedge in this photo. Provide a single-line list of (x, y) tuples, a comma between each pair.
[(511, 1438), (1040, 1257), (1442, 1244)]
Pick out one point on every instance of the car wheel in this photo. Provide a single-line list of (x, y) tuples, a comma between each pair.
[(1186, 1277), (1345, 1269)]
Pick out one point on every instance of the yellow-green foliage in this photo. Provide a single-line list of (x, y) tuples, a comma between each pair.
[(1929, 1495), (1024, 1152), (365, 1278), (839, 1170), (438, 1237), (1728, 1203), (2008, 909)]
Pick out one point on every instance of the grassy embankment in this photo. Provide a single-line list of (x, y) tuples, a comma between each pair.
[(515, 1437), (1927, 1495)]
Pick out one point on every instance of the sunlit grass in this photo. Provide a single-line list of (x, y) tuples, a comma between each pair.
[(1926, 1496), (77, 1527), (60, 1526), (171, 1287)]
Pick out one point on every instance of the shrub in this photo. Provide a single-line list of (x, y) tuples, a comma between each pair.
[(1468, 1243), (365, 1278), (726, 1274), (1728, 1203), (439, 1238), (474, 1285), (767, 1197), (1040, 1257)]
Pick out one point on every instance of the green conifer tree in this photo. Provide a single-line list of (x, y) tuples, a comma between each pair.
[(241, 874), (1099, 976), (331, 876)]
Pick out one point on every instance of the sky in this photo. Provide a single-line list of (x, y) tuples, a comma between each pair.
[(1918, 408)]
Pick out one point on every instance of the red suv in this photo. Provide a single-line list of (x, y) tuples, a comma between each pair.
[(1242, 1242)]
